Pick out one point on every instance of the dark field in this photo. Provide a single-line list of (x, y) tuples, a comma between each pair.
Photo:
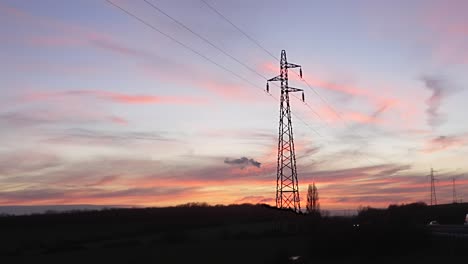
[(234, 234)]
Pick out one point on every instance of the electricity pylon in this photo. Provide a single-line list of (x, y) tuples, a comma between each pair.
[(287, 190)]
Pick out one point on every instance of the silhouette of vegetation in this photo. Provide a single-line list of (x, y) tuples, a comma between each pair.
[(313, 204), (193, 205), (197, 232)]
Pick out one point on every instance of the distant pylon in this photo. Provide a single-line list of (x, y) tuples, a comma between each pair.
[(287, 190), (433, 191)]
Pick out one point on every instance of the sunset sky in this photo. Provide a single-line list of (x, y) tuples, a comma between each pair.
[(99, 108)]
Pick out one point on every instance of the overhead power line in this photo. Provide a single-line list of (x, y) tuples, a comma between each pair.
[(201, 55), (186, 46), (268, 52), (239, 29), (181, 43), (160, 10), (322, 98), (157, 8)]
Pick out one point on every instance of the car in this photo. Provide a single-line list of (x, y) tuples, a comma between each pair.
[(431, 223)]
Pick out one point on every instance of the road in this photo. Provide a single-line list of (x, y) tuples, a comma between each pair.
[(459, 231)]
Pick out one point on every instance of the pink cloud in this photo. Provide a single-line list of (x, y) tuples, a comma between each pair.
[(346, 89), (107, 43), (56, 111), (73, 70), (436, 28), (117, 97), (55, 41), (204, 81), (442, 143), (70, 34), (73, 35), (93, 39), (381, 102), (135, 182), (118, 120), (106, 180), (25, 17), (56, 115), (13, 11), (317, 82), (448, 29), (230, 91), (348, 116), (122, 196)]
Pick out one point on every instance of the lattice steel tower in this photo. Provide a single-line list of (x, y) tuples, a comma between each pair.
[(287, 190)]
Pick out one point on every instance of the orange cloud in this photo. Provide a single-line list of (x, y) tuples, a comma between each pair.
[(341, 189)]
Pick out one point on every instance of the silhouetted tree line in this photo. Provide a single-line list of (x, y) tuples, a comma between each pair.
[(198, 229), (414, 214)]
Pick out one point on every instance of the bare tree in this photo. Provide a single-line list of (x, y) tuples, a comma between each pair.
[(313, 205)]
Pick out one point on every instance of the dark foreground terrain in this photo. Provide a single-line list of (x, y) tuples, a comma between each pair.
[(236, 234)]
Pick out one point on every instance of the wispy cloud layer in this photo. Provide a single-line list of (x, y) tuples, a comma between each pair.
[(141, 181), (116, 97), (441, 143), (24, 119)]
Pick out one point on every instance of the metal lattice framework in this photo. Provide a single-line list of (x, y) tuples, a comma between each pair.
[(287, 190)]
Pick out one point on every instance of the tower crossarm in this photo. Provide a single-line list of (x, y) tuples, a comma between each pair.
[(292, 65), (293, 89), (275, 79)]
